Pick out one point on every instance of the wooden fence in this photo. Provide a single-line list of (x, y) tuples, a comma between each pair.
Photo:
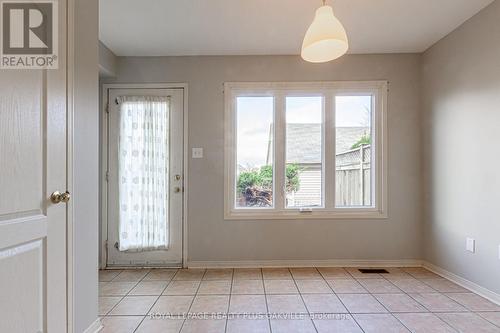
[(353, 173)]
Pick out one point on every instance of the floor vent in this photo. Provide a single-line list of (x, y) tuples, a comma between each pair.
[(373, 271)]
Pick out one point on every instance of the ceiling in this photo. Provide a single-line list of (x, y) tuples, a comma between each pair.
[(270, 27)]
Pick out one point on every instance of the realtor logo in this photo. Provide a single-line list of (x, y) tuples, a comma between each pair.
[(28, 34)]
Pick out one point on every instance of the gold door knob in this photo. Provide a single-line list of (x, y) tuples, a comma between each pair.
[(177, 189), (58, 197)]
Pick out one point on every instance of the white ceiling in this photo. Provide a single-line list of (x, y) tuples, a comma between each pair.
[(251, 27)]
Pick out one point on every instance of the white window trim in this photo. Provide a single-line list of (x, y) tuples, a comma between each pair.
[(376, 88)]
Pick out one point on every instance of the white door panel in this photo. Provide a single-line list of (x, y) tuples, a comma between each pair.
[(33, 164), (23, 301), (173, 255)]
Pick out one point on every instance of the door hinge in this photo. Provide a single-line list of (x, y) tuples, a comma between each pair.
[(107, 176), (107, 108), (106, 251)]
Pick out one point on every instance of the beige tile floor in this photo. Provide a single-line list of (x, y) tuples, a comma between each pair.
[(291, 300)]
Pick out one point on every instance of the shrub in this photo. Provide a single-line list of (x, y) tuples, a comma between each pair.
[(262, 179), (292, 177), (247, 179), (363, 141)]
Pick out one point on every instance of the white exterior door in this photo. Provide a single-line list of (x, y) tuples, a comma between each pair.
[(33, 165), (173, 196)]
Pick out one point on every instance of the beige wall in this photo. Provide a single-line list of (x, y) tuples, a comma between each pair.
[(107, 61), (213, 238), (461, 85)]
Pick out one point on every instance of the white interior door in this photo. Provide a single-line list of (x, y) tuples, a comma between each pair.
[(33, 166), (130, 234)]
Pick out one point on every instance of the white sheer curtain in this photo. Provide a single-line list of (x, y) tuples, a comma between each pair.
[(143, 173)]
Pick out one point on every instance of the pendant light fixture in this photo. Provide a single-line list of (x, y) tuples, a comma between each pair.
[(326, 39)]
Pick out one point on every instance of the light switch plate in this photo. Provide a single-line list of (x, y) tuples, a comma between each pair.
[(470, 245), (197, 152)]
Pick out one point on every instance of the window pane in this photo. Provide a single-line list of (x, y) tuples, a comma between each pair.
[(304, 152), (254, 153), (353, 162)]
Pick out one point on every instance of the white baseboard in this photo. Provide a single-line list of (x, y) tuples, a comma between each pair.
[(95, 327), (474, 287), (305, 263)]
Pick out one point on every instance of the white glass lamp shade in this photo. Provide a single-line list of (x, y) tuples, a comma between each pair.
[(326, 39)]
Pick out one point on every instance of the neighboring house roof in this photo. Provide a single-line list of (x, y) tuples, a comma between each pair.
[(303, 142), (348, 136)]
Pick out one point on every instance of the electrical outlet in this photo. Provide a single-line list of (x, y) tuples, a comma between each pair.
[(197, 153), (470, 245)]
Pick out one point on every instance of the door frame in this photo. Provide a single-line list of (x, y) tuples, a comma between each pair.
[(70, 227), (104, 159)]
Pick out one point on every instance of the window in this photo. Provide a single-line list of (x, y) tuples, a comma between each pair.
[(305, 150), (353, 162), (254, 162)]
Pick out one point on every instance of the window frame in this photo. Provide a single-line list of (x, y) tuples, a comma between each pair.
[(329, 90)]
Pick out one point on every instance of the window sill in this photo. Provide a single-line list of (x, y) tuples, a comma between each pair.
[(338, 214)]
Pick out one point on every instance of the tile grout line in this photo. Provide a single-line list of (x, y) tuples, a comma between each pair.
[(265, 298), (408, 294), (157, 299), (429, 310), (413, 298), (194, 297), (121, 296), (373, 296), (462, 305), (230, 296), (370, 313), (302, 298), (126, 294), (158, 296), (389, 312), (416, 300), (446, 323), (479, 314), (340, 300)]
